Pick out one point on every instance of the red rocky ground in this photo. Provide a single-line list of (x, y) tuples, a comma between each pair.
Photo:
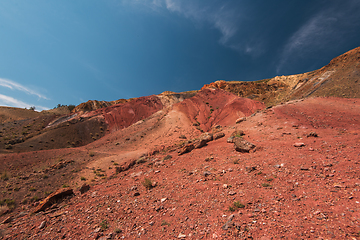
[(295, 185)]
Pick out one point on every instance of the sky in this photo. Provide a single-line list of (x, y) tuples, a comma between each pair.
[(71, 51)]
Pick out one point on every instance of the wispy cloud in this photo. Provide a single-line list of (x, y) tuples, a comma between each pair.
[(219, 14), (323, 31), (16, 86), (12, 102)]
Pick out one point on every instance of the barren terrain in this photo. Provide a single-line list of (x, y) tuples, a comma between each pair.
[(205, 164)]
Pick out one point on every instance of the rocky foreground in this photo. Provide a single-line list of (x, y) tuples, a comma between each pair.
[(298, 179)]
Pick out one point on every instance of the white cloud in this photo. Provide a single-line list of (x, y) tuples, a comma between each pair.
[(14, 85), (12, 102)]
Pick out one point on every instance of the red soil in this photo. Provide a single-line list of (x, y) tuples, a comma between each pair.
[(214, 106), (286, 191), (122, 115)]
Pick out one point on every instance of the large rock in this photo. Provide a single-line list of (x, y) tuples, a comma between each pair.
[(53, 198), (237, 133), (241, 145), (203, 140), (125, 166), (186, 149)]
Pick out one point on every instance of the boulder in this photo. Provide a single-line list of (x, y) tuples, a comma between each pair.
[(126, 166), (241, 145), (53, 198), (237, 133), (84, 188), (219, 135), (203, 140), (186, 149)]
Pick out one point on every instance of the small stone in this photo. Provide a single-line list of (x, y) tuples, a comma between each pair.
[(231, 193), (136, 194), (181, 235), (206, 173), (163, 200), (8, 220), (229, 222), (225, 186), (299, 144), (239, 120), (42, 224)]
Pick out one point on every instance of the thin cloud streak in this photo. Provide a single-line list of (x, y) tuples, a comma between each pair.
[(12, 102), (223, 17), (14, 85), (323, 31)]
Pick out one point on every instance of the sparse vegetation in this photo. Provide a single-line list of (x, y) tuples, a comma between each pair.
[(4, 176), (147, 183), (91, 154), (82, 178), (237, 204), (32, 189), (165, 223), (265, 185), (10, 203), (104, 225)]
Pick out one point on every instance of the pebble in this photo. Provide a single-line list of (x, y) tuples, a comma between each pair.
[(42, 224), (299, 144), (181, 235)]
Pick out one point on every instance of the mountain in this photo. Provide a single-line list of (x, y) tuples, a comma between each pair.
[(276, 158)]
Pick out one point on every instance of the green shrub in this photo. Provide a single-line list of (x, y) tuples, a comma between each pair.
[(237, 204)]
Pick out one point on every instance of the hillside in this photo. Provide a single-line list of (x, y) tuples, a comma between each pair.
[(260, 160), (340, 78)]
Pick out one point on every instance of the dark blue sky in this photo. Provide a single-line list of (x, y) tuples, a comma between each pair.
[(71, 51)]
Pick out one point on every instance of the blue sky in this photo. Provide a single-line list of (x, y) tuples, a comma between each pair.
[(70, 51)]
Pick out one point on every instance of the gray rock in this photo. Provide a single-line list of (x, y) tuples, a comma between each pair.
[(241, 145)]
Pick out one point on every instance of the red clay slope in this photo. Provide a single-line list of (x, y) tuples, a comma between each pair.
[(215, 106), (122, 115)]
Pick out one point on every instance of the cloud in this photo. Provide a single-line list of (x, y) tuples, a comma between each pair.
[(12, 102), (324, 31), (14, 85), (220, 15)]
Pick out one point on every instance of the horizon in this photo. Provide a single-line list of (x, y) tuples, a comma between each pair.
[(69, 52)]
